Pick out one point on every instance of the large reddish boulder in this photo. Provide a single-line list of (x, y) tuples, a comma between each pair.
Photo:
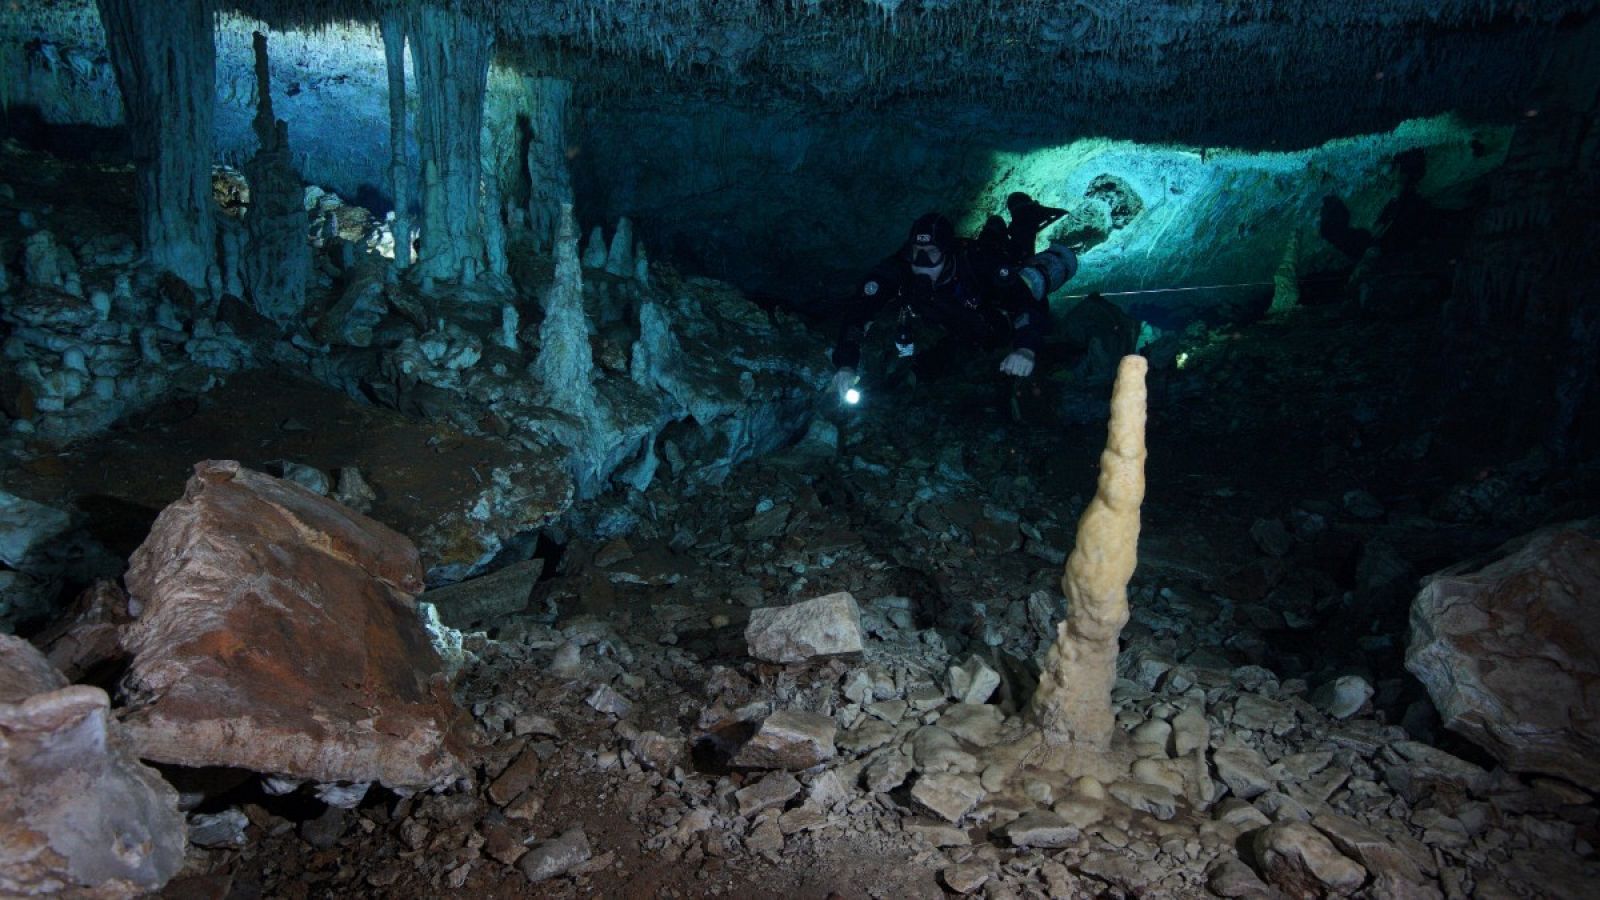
[(79, 815), (1509, 649), (277, 632)]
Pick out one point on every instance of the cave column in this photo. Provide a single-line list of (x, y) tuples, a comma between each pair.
[(550, 182), (165, 62), (393, 28), (450, 54), (277, 262)]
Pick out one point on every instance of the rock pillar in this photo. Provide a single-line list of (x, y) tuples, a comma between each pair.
[(165, 62)]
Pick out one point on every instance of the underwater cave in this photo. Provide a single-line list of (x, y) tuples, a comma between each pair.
[(800, 448)]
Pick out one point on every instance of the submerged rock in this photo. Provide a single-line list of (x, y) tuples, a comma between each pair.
[(279, 634), (82, 816), (499, 593), (1509, 649), (555, 857), (824, 626), (1300, 861), (788, 739)]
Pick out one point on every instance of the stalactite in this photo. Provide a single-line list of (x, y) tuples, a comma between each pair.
[(277, 262), (550, 181), (165, 63), (450, 54), (393, 28)]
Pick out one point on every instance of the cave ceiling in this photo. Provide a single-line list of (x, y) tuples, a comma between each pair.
[(1252, 73)]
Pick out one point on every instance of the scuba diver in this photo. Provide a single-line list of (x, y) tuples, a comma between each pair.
[(983, 293)]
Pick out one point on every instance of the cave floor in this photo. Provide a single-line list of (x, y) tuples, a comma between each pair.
[(1300, 480), (947, 520), (261, 418)]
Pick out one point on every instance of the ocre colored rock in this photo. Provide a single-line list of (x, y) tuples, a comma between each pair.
[(279, 634)]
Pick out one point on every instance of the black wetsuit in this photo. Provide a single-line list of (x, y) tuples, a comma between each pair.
[(976, 299)]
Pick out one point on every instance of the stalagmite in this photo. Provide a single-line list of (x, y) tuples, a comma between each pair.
[(1073, 703), (165, 62), (277, 262), (641, 264), (549, 180), (393, 27), (594, 250), (450, 52), (619, 259), (566, 363), (508, 326), (1285, 281), (494, 225)]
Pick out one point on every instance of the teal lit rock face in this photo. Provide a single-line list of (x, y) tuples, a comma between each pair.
[(1158, 217), (800, 205)]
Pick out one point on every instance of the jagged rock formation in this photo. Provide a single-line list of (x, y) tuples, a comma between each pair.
[(80, 816), (450, 53), (166, 67), (1509, 649), (279, 634), (277, 261), (1073, 702)]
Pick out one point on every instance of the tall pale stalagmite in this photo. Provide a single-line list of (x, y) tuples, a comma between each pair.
[(1073, 702), (165, 62)]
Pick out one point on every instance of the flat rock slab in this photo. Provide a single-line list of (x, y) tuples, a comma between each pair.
[(279, 634), (1509, 649), (81, 815), (947, 796), (824, 626), (1298, 859), (976, 723), (788, 739), (555, 857), (774, 790), (1042, 829), (500, 593), (1244, 771)]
